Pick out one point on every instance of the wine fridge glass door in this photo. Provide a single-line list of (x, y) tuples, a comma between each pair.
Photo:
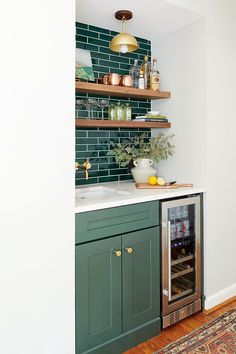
[(181, 250)]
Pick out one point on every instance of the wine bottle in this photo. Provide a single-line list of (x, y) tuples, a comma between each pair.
[(154, 76), (146, 68)]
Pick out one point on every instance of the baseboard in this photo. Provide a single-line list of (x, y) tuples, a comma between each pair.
[(128, 340), (217, 307), (220, 299)]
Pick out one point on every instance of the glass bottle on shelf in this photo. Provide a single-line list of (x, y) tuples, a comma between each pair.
[(127, 112), (134, 72), (141, 80), (111, 112), (146, 68), (154, 76)]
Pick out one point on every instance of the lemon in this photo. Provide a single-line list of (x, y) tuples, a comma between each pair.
[(160, 181), (152, 180)]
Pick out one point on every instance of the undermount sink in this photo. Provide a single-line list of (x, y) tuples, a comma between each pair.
[(96, 193)]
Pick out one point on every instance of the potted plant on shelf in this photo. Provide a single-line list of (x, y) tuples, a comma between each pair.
[(139, 152)]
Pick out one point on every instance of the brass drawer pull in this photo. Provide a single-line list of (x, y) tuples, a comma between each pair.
[(129, 249), (118, 253)]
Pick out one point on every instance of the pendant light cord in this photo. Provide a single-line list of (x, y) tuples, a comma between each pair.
[(123, 24)]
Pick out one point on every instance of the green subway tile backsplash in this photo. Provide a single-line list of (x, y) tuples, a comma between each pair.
[(94, 143), (105, 37), (81, 39), (97, 29), (100, 55), (103, 167), (81, 25)]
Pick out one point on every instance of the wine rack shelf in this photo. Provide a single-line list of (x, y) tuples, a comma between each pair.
[(176, 273), (182, 259), (183, 293)]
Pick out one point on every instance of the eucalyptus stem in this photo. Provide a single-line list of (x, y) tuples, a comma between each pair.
[(140, 146)]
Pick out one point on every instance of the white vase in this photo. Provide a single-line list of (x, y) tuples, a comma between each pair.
[(143, 170)]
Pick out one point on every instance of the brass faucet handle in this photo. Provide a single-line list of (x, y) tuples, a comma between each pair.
[(87, 165)]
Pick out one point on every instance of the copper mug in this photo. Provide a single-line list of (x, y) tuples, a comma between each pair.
[(114, 79), (111, 79), (105, 80), (126, 80)]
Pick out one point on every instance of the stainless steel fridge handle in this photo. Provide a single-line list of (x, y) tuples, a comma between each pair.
[(169, 260)]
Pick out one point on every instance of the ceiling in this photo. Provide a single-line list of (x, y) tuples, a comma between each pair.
[(152, 18)]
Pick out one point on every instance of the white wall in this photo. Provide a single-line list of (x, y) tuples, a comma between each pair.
[(220, 240), (163, 17), (37, 177), (181, 61)]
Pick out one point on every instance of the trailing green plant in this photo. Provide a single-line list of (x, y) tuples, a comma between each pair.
[(140, 147)]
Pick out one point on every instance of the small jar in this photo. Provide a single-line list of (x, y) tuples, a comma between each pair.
[(119, 112), (127, 112), (112, 112), (123, 112)]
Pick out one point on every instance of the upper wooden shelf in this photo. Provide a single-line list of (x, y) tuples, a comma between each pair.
[(120, 91), (99, 123)]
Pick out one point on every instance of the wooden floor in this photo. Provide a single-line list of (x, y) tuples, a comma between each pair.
[(178, 330)]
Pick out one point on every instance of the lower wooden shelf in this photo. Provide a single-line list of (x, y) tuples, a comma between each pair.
[(119, 124)]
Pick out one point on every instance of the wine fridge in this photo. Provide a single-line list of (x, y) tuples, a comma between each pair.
[(181, 259)]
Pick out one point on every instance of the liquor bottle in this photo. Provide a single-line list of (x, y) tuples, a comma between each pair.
[(134, 72), (154, 76), (146, 68), (141, 80)]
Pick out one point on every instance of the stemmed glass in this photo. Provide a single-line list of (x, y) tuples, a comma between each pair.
[(103, 104), (79, 104), (88, 107), (93, 103)]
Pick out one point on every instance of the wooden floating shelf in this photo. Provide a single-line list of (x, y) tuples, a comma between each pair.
[(99, 123), (120, 91)]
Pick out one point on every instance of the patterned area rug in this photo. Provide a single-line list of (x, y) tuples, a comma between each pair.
[(215, 337)]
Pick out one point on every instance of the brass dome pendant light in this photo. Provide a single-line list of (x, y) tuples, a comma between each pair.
[(123, 42)]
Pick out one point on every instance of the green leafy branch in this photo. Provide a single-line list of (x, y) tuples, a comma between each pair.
[(139, 147)]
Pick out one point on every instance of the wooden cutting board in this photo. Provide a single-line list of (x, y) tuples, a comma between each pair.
[(172, 186)]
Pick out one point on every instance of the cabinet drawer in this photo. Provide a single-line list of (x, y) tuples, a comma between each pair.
[(97, 224)]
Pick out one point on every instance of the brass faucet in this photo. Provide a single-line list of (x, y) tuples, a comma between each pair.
[(85, 166)]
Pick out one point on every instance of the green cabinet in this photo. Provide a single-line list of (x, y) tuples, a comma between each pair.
[(98, 293), (94, 225), (141, 278), (117, 291)]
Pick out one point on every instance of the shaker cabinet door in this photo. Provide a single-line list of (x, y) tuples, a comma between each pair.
[(141, 277), (98, 293)]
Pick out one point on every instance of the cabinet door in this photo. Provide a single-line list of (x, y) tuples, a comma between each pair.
[(98, 293), (141, 277)]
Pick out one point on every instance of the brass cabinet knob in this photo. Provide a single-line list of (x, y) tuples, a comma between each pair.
[(129, 249), (117, 253)]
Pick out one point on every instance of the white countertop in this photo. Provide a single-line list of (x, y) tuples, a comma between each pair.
[(124, 193)]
